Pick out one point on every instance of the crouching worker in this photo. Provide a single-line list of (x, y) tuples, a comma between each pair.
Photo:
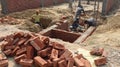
[(76, 26), (36, 18), (90, 22)]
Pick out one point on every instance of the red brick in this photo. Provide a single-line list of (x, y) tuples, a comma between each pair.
[(86, 62), (55, 62), (104, 54), (18, 35), (8, 52), (21, 51), (44, 52), (17, 59), (26, 62), (60, 52), (97, 51), (30, 52), (21, 41), (2, 56), (54, 54), (15, 41), (15, 50), (66, 54), (79, 56), (3, 63), (78, 62), (70, 62), (37, 43), (50, 63), (100, 61), (58, 46), (9, 47), (3, 46), (44, 39), (41, 62), (62, 63)]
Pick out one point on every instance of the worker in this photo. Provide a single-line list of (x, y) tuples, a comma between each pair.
[(36, 18), (90, 22), (79, 11), (75, 26)]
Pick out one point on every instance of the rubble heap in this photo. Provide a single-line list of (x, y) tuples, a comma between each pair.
[(9, 20), (30, 49)]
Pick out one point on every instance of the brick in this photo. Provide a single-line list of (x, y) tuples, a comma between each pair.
[(66, 54), (44, 39), (3, 63), (30, 52), (17, 59), (21, 51), (97, 51), (2, 56), (37, 44), (78, 62), (104, 54), (60, 52), (3, 46), (54, 54), (79, 56), (41, 62), (100, 61), (21, 41), (70, 62), (18, 35), (9, 47), (26, 62), (58, 46), (15, 50), (15, 41), (44, 52), (50, 63), (8, 52), (86, 62), (55, 62), (62, 63)]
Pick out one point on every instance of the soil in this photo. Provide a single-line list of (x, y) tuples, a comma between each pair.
[(107, 34)]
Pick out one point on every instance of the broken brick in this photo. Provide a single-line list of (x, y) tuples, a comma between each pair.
[(79, 56), (41, 62), (37, 44), (17, 59), (62, 63), (21, 51), (8, 52), (100, 61), (22, 41), (104, 54), (26, 62), (54, 54), (3, 63), (55, 62), (97, 51), (86, 62), (70, 62), (30, 52)]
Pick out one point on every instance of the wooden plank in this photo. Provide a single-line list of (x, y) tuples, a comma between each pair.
[(84, 36)]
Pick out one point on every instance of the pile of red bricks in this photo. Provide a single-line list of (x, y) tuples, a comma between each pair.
[(9, 20), (31, 49), (99, 52)]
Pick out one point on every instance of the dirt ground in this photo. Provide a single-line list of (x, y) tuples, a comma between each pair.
[(107, 35)]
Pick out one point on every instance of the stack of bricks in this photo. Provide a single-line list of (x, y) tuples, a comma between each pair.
[(99, 52), (9, 20), (29, 49)]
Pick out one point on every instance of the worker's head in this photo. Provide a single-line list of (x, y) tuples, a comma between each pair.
[(37, 12)]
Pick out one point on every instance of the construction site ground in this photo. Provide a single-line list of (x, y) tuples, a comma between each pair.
[(107, 34)]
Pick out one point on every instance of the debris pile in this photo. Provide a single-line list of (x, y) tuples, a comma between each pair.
[(99, 52), (30, 49), (9, 20)]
